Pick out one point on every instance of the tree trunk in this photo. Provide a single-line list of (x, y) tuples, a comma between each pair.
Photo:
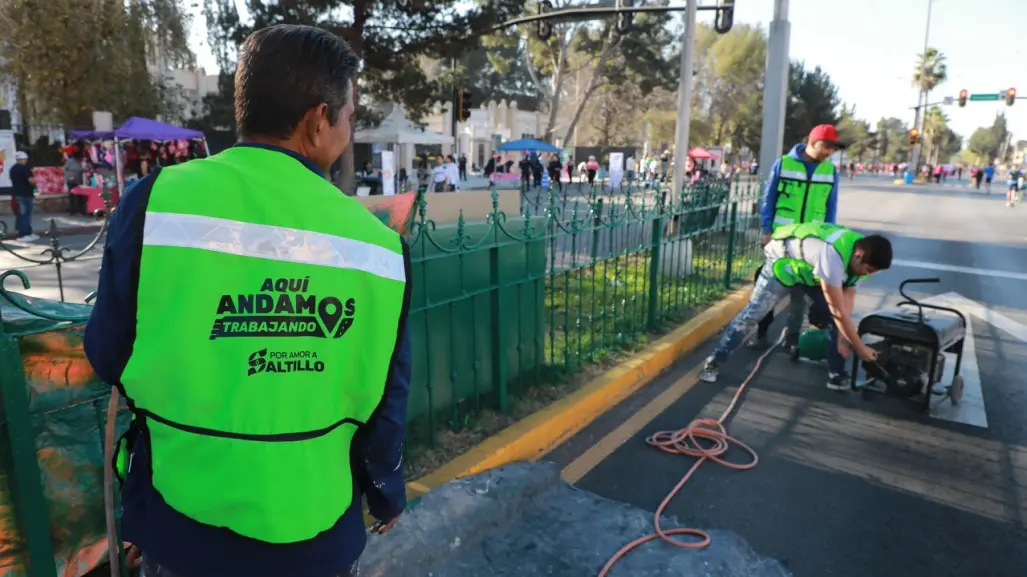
[(347, 180), (558, 79), (593, 84)]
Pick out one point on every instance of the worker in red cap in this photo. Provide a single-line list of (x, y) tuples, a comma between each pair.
[(802, 187)]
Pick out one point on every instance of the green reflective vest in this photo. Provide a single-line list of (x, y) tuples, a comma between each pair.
[(802, 197), (269, 306), (797, 271)]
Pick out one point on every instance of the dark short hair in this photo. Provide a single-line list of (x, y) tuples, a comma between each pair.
[(285, 70), (877, 252)]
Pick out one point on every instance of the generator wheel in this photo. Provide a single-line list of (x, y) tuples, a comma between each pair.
[(956, 389)]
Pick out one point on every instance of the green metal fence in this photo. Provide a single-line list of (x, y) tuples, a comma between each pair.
[(518, 300)]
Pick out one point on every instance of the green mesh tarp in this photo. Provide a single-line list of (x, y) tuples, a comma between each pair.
[(67, 414)]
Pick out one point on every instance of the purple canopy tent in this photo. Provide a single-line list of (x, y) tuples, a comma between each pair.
[(137, 128)]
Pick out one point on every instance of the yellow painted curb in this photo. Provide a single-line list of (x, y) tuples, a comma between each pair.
[(540, 432)]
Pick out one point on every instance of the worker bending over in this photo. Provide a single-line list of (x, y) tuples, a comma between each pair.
[(803, 187), (824, 261)]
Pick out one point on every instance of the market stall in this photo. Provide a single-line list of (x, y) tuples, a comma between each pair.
[(134, 129)]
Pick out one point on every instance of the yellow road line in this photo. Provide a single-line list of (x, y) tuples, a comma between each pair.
[(605, 447), (597, 453)]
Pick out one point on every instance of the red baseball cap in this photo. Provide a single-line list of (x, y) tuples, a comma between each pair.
[(827, 133)]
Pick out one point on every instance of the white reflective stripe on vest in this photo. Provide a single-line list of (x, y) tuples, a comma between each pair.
[(270, 242), (834, 236), (794, 175), (828, 178), (783, 220)]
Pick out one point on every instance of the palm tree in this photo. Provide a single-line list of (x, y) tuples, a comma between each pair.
[(936, 124), (930, 71)]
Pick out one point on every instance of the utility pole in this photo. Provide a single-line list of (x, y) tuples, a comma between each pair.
[(921, 103), (775, 93), (684, 97), (454, 104)]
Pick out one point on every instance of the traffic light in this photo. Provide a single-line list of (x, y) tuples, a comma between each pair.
[(466, 104), (625, 19), (1010, 96), (545, 29), (963, 95), (914, 136), (725, 18)]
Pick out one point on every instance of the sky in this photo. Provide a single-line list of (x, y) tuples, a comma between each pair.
[(869, 49)]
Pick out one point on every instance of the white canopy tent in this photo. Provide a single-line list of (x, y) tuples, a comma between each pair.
[(396, 129)]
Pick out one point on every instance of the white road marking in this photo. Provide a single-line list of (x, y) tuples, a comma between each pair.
[(982, 312), (970, 410), (990, 272)]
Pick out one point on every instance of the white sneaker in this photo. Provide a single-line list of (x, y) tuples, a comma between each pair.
[(29, 238)]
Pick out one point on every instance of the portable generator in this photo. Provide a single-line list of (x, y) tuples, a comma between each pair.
[(910, 340)]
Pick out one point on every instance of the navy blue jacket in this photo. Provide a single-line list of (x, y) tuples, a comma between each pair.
[(193, 549)]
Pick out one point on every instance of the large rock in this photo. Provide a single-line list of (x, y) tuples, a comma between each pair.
[(522, 519)]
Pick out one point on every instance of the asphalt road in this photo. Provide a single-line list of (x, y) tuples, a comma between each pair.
[(848, 487)]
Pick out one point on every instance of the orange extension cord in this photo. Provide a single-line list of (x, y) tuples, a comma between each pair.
[(687, 442)]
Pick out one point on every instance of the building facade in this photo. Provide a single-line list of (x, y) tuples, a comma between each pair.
[(193, 85), (487, 127)]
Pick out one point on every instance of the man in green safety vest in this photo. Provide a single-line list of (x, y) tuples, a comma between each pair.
[(256, 320), (825, 262), (802, 187)]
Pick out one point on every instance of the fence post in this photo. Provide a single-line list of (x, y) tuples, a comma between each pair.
[(732, 228), (597, 221), (654, 265), (498, 326), (30, 509)]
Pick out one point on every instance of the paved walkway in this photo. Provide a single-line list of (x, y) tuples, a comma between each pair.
[(66, 223)]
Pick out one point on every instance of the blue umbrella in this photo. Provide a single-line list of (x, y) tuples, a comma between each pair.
[(528, 145)]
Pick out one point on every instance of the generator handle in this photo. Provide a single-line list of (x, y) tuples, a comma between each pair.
[(911, 300)]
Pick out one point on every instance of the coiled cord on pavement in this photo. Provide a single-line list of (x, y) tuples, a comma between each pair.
[(706, 439)]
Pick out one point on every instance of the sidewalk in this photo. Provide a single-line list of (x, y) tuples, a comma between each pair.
[(68, 225)]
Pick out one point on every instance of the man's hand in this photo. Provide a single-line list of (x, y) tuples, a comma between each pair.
[(382, 527), (865, 353), (765, 239)]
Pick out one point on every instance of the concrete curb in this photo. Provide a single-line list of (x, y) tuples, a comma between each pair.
[(540, 432)]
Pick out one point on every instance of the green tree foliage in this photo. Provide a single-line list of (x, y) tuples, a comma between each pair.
[(69, 61), (812, 100), (893, 139), (987, 142), (597, 58), (499, 73), (858, 135), (729, 83), (941, 143), (392, 37), (931, 70)]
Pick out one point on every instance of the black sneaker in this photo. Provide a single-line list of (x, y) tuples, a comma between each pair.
[(836, 382), (790, 345), (710, 371), (757, 342)]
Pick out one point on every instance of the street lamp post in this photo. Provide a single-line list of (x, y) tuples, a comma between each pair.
[(775, 93), (921, 101), (684, 98)]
